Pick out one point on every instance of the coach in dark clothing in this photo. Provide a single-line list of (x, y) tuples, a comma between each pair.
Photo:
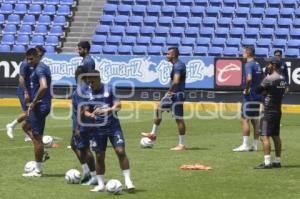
[(272, 88)]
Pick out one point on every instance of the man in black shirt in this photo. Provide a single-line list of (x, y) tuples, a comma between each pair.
[(272, 88)]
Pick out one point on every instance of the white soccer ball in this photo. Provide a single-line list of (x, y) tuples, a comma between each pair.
[(29, 166), (146, 142), (113, 186), (48, 140), (73, 176)]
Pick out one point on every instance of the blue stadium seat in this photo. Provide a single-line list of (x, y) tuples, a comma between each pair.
[(274, 3), (25, 30), (257, 12), (22, 40), (49, 10), (215, 51), (248, 42), (20, 9), (139, 10), (10, 29), (200, 51), (284, 22), (279, 43), (297, 13), (183, 11), (239, 22), (221, 32), (35, 9), (28, 20), (188, 41), (2, 19), (245, 3), (64, 10), (271, 12), (144, 40), (192, 32), (121, 20), (251, 32), (194, 21), (165, 21), (60, 21), (263, 43), (124, 50), (139, 50), (281, 33), (201, 2), (173, 41), (295, 33), (102, 29), (171, 2), (8, 40), (185, 50), (153, 10), (109, 49), (231, 3), (186, 2), (254, 23), (291, 53), (56, 31), (177, 31), (6, 8), (209, 21), (114, 1), (18, 49), (227, 11), (230, 52), (203, 41), (212, 11), (147, 30), (49, 49), (52, 41), (44, 20), (52, 2), (269, 22), (259, 3), (68, 2), (117, 30), (106, 19), (40, 30), (128, 2), (180, 21), (99, 39), (236, 32), (141, 2), (158, 41), (296, 23), (128, 40), (293, 43), (217, 3), (242, 12), (206, 32), (135, 20), (157, 2), (39, 2), (95, 49), (113, 40), (218, 42), (132, 30), (162, 31), (290, 3), (168, 10), (37, 40), (224, 22), (13, 19), (4, 48), (197, 11), (262, 52), (150, 21), (110, 9), (286, 12), (233, 42)]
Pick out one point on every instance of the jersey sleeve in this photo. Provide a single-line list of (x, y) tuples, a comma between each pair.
[(89, 63), (248, 69), (41, 72), (23, 68)]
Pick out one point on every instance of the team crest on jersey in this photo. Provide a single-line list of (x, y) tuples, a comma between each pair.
[(106, 94)]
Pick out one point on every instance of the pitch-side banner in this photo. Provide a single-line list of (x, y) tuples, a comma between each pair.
[(131, 71)]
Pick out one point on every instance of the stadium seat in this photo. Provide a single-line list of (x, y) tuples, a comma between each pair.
[(262, 52), (113, 40), (271, 12), (110, 9), (293, 43), (296, 23), (183, 11), (176, 31), (20, 9), (37, 40), (215, 51), (295, 33), (191, 32), (242, 12), (281, 33), (102, 29), (239, 22), (49, 10), (227, 12), (8, 40), (157, 2), (162, 31), (290, 3), (114, 1), (284, 22), (128, 40), (248, 42), (10, 29), (96, 49), (188, 41), (52, 2), (22, 40), (257, 12), (13, 19), (224, 22), (35, 9), (106, 19), (171, 2), (279, 43), (197, 11), (147, 30), (44, 20), (150, 21), (254, 23), (212, 11), (291, 53), (71, 3), (194, 21), (135, 20), (124, 50), (230, 52), (158, 41), (200, 51), (185, 50), (173, 41), (233, 42), (274, 3), (269, 22), (4, 48), (201, 2), (64, 10), (99, 39), (139, 50), (139, 10), (297, 13), (52, 41), (263, 43), (60, 21), (203, 41), (186, 2), (165, 21), (266, 32), (144, 40), (236, 32), (117, 30), (56, 31), (221, 32), (153, 10), (141, 2), (28, 20), (121, 20), (217, 3), (251, 32), (39, 2), (259, 3), (168, 10), (206, 32), (132, 30), (180, 21), (128, 2), (27, 2), (209, 21), (18, 49), (2, 19), (109, 49), (230, 3), (6, 8), (286, 12), (25, 30), (40, 30), (218, 42)]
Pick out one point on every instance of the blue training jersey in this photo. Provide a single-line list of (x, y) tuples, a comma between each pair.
[(88, 62), (253, 68), (284, 71), (25, 71), (41, 71), (180, 69)]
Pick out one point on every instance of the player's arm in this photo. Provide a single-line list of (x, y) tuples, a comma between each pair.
[(263, 87), (248, 79), (87, 113), (175, 82), (22, 83)]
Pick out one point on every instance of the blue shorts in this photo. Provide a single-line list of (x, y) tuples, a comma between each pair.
[(22, 101), (81, 142), (116, 138), (250, 109), (173, 104), (37, 119)]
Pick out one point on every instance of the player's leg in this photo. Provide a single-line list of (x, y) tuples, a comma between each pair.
[(278, 145), (255, 124), (85, 168), (156, 122), (177, 110)]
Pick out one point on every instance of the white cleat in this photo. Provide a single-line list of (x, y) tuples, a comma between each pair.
[(92, 181), (98, 188), (130, 187), (253, 148), (27, 138), (10, 131), (241, 148), (33, 173)]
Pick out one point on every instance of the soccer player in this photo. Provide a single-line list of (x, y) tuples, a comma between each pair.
[(272, 88), (80, 141), (283, 69), (83, 48), (173, 99), (102, 108), (251, 100), (23, 92), (39, 107)]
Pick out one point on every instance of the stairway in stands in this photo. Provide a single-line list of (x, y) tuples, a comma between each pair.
[(83, 24)]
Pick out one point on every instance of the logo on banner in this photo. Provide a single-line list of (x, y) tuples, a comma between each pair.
[(228, 72), (10, 68)]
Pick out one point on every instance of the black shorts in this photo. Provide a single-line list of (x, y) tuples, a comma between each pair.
[(270, 125)]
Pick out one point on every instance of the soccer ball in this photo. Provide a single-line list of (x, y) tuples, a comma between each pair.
[(29, 166), (114, 186), (146, 142), (48, 141), (73, 176)]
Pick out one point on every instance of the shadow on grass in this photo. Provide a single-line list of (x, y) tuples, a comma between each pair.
[(54, 175), (137, 191), (197, 149), (290, 166)]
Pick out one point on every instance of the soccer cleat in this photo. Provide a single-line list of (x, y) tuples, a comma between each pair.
[(98, 188), (130, 187), (263, 166), (85, 178), (46, 156), (10, 131), (241, 148), (253, 148), (152, 136), (276, 165), (179, 147), (91, 181), (33, 173), (27, 138)]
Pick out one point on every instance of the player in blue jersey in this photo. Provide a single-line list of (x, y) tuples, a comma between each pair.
[(39, 107), (173, 100), (23, 92), (83, 48), (102, 108), (80, 140), (251, 100)]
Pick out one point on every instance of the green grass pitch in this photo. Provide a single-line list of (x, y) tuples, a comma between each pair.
[(156, 172)]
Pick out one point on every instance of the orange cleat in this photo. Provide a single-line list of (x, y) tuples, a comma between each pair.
[(152, 136), (179, 147)]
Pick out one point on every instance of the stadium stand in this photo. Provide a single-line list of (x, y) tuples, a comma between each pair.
[(198, 27)]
